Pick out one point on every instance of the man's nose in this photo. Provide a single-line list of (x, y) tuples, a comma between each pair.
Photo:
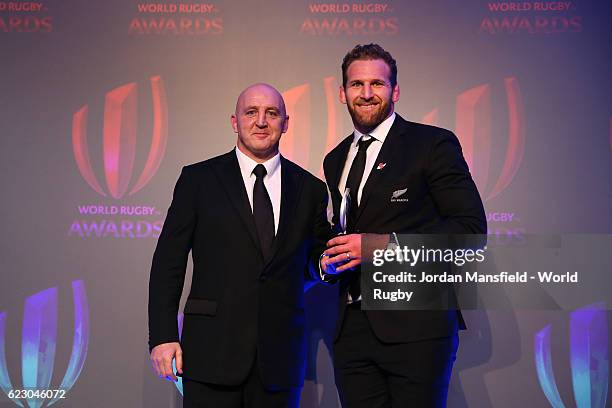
[(366, 91), (261, 119)]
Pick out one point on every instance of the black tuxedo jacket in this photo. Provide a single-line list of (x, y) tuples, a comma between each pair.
[(441, 199), (240, 305)]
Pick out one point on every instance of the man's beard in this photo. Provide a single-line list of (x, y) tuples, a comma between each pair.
[(368, 121)]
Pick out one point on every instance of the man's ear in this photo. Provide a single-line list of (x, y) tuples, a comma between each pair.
[(342, 95), (234, 123), (285, 124), (395, 94)]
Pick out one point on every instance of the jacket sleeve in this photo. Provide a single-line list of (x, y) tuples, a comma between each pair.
[(453, 190), (170, 261), (322, 232)]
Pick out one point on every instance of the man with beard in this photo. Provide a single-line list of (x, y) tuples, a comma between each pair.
[(254, 222), (392, 358)]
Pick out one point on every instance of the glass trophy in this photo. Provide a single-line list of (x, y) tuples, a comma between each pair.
[(345, 206)]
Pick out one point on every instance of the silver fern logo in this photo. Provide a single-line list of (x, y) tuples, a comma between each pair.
[(395, 197)]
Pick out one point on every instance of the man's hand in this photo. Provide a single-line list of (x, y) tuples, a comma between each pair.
[(327, 266), (161, 359), (343, 253)]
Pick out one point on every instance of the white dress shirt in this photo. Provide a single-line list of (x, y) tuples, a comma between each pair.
[(272, 180), (379, 134)]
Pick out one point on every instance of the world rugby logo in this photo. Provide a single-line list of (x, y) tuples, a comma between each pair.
[(119, 139), (588, 358), (38, 345), (473, 128)]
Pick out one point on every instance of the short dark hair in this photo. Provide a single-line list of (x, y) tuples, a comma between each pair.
[(369, 52)]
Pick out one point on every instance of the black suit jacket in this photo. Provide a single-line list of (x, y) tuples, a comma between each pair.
[(442, 199), (240, 305)]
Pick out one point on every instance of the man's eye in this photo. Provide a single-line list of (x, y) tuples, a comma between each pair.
[(273, 114), (250, 112), (356, 84)]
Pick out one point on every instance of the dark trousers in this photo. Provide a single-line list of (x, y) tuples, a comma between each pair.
[(250, 394), (373, 374)]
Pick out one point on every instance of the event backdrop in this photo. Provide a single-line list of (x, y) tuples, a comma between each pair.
[(103, 102)]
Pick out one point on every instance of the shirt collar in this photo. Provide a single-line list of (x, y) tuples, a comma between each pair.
[(247, 164), (380, 133)]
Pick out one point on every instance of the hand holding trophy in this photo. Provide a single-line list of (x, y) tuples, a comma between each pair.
[(344, 251)]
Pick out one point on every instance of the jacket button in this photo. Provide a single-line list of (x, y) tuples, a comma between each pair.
[(262, 278)]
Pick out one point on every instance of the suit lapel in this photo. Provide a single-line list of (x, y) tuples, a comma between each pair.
[(229, 174), (390, 148), (337, 165), (291, 186)]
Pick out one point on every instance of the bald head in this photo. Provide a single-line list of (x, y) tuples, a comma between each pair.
[(259, 120), (261, 89)]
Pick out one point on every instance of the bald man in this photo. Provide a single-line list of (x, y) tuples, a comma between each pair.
[(255, 224)]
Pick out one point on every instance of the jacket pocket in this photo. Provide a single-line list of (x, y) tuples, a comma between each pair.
[(201, 307)]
